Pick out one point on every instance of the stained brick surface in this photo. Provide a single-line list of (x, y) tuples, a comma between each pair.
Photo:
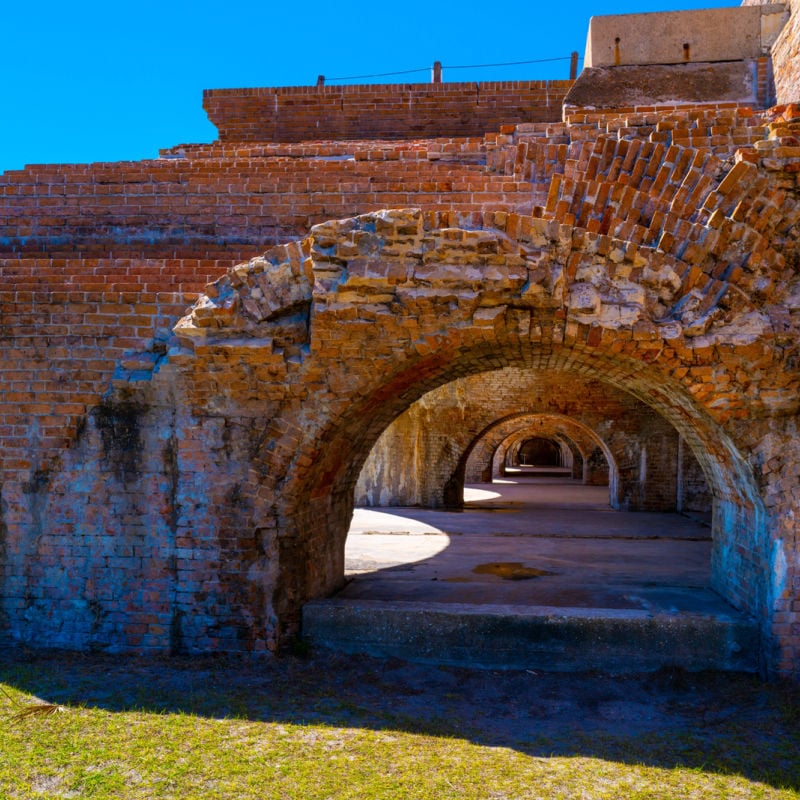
[(177, 481)]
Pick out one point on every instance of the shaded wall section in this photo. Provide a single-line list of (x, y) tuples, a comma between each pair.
[(780, 24), (786, 58)]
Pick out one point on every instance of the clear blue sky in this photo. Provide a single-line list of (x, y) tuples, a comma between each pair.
[(89, 81)]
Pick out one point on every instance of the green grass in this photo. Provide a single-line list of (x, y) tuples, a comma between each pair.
[(329, 727)]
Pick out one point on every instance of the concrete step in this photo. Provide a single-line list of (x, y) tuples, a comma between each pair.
[(548, 638)]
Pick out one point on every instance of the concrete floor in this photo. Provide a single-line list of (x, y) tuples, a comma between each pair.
[(533, 541)]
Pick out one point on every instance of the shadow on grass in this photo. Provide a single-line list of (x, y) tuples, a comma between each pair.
[(719, 723)]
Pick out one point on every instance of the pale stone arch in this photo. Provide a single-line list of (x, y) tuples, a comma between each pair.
[(296, 330)]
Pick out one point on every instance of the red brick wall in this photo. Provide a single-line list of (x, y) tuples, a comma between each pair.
[(70, 327), (393, 111), (234, 200), (227, 206)]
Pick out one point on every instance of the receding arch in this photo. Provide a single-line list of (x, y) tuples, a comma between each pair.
[(535, 450), (729, 474), (484, 449), (540, 451), (573, 432)]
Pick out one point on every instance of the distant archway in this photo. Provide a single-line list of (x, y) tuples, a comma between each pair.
[(538, 452), (484, 458)]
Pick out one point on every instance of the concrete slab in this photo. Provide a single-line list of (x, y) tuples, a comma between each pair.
[(654, 85), (573, 548), (524, 637)]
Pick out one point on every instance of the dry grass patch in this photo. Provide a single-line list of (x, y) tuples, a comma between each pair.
[(340, 728)]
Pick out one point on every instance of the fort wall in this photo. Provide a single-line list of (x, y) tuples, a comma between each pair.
[(200, 351), (388, 111), (785, 53)]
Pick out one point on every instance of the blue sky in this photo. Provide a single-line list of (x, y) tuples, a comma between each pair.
[(89, 81)]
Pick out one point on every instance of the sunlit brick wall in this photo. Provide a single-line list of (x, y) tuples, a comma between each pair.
[(391, 111)]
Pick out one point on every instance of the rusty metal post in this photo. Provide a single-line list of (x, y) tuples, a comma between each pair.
[(320, 81), (573, 66), (436, 72)]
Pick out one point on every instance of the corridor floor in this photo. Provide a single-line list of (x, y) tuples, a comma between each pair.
[(532, 541)]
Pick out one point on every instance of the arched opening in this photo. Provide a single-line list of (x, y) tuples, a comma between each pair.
[(732, 499), (456, 305), (666, 558), (428, 452), (536, 452), (589, 458)]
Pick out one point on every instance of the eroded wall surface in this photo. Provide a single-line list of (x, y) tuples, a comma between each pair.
[(785, 53)]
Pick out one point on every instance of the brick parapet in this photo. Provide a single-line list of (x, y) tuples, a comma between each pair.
[(394, 111), (460, 149)]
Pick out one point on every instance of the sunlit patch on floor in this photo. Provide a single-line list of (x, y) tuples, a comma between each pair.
[(471, 494)]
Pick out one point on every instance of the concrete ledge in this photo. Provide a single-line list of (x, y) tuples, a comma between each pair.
[(622, 87), (674, 37), (533, 637)]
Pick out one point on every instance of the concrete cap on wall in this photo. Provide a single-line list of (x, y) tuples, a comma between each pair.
[(676, 37), (664, 84)]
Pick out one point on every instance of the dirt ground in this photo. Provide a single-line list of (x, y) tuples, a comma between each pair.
[(664, 719)]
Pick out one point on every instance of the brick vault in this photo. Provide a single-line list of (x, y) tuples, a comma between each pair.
[(622, 276)]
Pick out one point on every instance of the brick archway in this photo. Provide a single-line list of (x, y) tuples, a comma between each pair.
[(326, 341), (420, 458), (488, 450), (565, 454), (540, 450)]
